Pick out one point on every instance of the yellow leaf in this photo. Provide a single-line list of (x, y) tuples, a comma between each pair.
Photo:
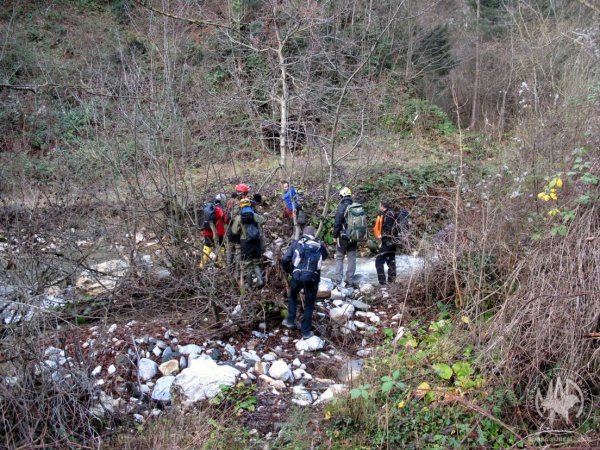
[(546, 197), (541, 195), (553, 196), (559, 182), (401, 404), (552, 190), (465, 319), (327, 415), (422, 389)]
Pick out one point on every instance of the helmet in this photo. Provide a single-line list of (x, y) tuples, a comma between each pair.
[(241, 188), (220, 199), (345, 191), (244, 202)]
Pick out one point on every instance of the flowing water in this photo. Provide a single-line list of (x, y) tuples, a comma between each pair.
[(406, 265)]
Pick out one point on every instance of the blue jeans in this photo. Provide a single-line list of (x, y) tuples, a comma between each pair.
[(310, 295)]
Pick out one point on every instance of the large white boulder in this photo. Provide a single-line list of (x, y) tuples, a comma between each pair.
[(201, 381)]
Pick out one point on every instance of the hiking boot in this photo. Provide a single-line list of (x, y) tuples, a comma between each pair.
[(287, 324), (307, 335)]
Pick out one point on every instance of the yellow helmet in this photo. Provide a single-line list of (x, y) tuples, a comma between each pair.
[(244, 202), (345, 191)]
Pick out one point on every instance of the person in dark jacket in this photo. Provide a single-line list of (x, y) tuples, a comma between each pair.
[(384, 231), (344, 245), (309, 282)]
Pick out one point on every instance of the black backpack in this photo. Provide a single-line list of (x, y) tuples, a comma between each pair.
[(307, 259), (209, 215)]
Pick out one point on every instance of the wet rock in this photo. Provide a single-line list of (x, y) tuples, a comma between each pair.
[(162, 389), (351, 370), (201, 380), (215, 354), (279, 370), (169, 367), (147, 369), (310, 345)]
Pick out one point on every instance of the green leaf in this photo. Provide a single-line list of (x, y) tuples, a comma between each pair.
[(443, 370), (386, 378), (396, 374), (355, 393), (387, 386), (462, 369)]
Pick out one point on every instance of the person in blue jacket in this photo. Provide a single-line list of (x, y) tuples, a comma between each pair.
[(290, 198)]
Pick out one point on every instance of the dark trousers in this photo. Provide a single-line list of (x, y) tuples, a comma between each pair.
[(310, 295), (386, 255)]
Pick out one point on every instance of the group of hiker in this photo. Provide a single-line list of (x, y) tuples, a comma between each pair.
[(237, 219)]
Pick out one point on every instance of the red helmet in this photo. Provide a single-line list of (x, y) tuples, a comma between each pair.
[(242, 188)]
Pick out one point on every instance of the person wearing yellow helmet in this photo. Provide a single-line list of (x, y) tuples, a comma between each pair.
[(345, 246)]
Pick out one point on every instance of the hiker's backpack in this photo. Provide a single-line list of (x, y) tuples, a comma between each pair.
[(307, 259), (209, 215), (250, 225), (356, 222)]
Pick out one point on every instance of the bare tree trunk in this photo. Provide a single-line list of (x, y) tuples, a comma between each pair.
[(475, 105), (283, 102)]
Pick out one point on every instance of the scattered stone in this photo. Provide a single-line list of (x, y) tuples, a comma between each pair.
[(364, 352), (169, 367), (156, 351), (300, 393), (335, 294), (259, 335), (279, 370), (341, 314), (361, 306), (201, 380), (367, 288), (147, 369), (277, 384), (301, 373), (229, 349), (348, 327), (261, 368), (190, 349), (269, 357), (182, 362), (251, 356), (296, 363), (162, 389), (330, 393), (112, 328), (310, 345), (96, 371), (215, 354), (111, 369), (161, 344), (102, 277), (138, 418), (360, 325), (168, 354), (351, 370)]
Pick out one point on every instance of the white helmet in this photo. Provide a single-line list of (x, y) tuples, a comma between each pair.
[(345, 191), (220, 198)]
